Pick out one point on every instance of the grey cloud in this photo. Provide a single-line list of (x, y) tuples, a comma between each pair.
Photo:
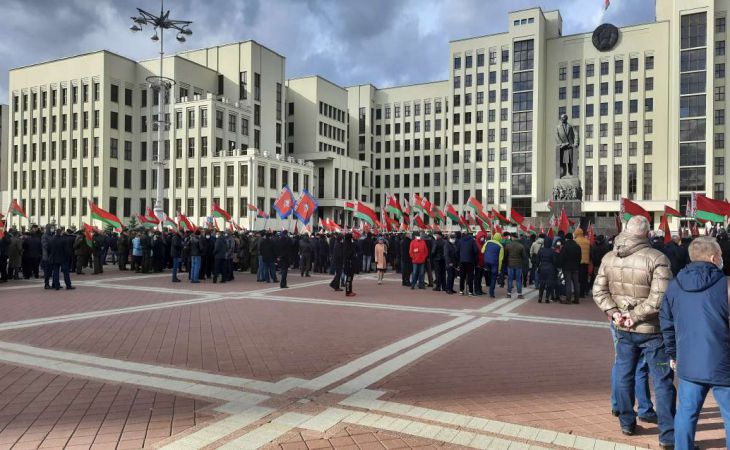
[(383, 42)]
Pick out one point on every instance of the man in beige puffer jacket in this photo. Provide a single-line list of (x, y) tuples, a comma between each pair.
[(629, 289)]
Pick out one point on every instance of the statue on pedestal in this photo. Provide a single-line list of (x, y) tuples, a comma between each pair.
[(566, 144), (567, 185)]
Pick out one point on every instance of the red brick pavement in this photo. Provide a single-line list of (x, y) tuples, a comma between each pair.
[(264, 340), (43, 410), (547, 376), (35, 302), (351, 437), (586, 310)]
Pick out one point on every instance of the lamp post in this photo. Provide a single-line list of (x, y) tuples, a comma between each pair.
[(160, 84)]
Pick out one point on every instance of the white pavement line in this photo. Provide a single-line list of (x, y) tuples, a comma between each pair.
[(267, 433), (326, 419), (106, 312), (559, 321), (171, 372), (292, 286), (215, 431), (115, 376), (25, 286), (358, 364), (434, 432), (492, 306), (406, 308), (368, 399), (379, 372)]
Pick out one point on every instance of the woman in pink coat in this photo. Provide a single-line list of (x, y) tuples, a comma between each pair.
[(381, 253)]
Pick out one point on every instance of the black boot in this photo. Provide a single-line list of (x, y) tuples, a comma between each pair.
[(539, 298)]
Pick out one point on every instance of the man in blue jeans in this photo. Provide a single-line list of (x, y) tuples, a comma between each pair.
[(493, 252), (694, 321), (629, 288), (516, 260), (646, 411)]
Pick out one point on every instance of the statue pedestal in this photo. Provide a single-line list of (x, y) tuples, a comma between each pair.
[(568, 194)]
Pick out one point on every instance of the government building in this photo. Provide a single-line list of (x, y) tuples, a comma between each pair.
[(647, 103)]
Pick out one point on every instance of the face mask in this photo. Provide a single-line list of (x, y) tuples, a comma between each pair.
[(418, 238), (452, 240), (720, 265), (207, 236)]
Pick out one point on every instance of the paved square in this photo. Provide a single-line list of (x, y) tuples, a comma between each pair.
[(134, 361)]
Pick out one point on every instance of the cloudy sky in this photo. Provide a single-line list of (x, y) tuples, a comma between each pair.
[(383, 42)]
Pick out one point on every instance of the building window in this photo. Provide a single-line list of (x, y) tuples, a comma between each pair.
[(562, 73)]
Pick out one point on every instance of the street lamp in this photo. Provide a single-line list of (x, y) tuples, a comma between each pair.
[(159, 83)]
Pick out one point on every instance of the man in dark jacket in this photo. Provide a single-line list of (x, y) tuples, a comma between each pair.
[(677, 254), (451, 262), (516, 255), (368, 249), (59, 255), (306, 249), (123, 250), (267, 250), (284, 248), (337, 261), (569, 258), (219, 257), (438, 261), (468, 252), (195, 257), (598, 251), (176, 248), (694, 323), (32, 252), (405, 260)]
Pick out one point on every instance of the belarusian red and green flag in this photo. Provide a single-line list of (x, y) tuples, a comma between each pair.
[(366, 213), (89, 235), (184, 223), (349, 206), (475, 205), (499, 216), (451, 213), (145, 222), (394, 206), (217, 211), (710, 210), (104, 216), (16, 209), (564, 225), (168, 222), (671, 212), (516, 217), (151, 217), (664, 226), (630, 209), (438, 215)]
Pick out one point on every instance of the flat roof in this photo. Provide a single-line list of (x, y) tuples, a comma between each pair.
[(304, 77), (234, 43), (71, 57)]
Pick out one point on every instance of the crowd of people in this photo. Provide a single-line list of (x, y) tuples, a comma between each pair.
[(667, 301)]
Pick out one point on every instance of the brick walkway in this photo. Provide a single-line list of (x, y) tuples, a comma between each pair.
[(134, 361)]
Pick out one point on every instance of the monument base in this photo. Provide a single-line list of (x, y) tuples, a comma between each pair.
[(567, 188)]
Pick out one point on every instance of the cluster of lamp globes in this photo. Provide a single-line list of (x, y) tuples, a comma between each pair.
[(160, 22)]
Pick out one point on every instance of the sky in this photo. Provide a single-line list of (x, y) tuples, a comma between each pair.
[(383, 42)]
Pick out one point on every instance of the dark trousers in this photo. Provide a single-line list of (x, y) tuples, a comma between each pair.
[(428, 268), (47, 273), (123, 258), (478, 275), (284, 269), (31, 268), (81, 262), (450, 276), (220, 264), (572, 286), (335, 284), (583, 279), (406, 267), (466, 275), (175, 266), (348, 283), (306, 264), (440, 270), (63, 267)]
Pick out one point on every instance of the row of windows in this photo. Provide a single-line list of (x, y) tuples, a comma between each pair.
[(64, 97), (327, 111), (618, 67), (618, 88), (469, 59), (618, 149), (604, 108), (618, 187), (407, 109), (331, 132), (396, 145)]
